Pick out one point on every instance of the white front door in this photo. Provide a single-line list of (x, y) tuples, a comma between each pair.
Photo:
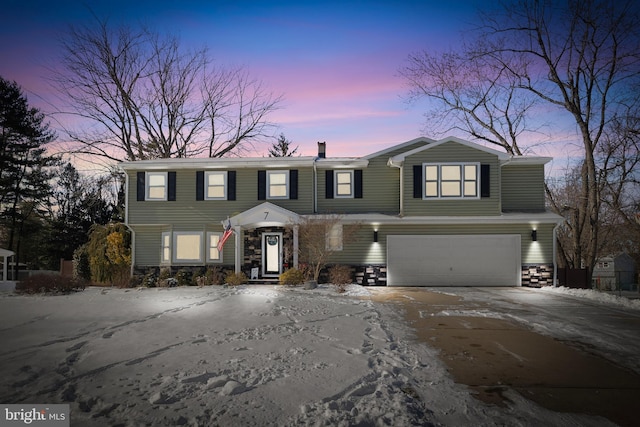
[(271, 254)]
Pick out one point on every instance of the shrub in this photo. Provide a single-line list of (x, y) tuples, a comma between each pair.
[(81, 267), (49, 283), (150, 280), (293, 276), (183, 277), (214, 275), (136, 280), (340, 275), (235, 279)]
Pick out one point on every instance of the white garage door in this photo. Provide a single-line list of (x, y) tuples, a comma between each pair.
[(479, 260)]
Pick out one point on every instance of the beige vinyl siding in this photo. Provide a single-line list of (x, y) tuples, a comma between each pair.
[(447, 153), (364, 251), (523, 188)]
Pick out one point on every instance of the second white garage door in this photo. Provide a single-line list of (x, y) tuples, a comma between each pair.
[(477, 260)]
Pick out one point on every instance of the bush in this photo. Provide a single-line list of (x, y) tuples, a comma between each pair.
[(183, 277), (235, 279), (214, 275), (293, 276), (340, 275), (136, 280), (49, 283)]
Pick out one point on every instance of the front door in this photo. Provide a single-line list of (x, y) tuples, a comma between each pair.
[(271, 254)]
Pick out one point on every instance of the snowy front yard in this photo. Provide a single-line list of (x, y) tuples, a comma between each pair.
[(246, 356)]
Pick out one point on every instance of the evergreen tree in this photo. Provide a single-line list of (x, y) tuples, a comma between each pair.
[(281, 148), (24, 168)]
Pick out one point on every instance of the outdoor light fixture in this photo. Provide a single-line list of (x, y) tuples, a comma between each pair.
[(534, 236), (375, 236)]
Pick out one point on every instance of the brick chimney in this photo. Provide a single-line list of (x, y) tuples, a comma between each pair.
[(322, 150)]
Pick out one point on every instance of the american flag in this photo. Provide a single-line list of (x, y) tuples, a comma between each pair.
[(225, 236)]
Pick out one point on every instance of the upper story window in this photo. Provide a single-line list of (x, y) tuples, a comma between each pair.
[(277, 184), (216, 185), (451, 180), (156, 186), (343, 184)]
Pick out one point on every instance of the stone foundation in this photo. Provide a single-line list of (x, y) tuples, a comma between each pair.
[(537, 275)]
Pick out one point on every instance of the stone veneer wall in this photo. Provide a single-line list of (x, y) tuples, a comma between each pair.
[(253, 247), (536, 275)]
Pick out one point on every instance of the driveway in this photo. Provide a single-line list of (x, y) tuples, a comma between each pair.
[(564, 353)]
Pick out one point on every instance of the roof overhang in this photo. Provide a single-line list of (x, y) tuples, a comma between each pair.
[(265, 215)]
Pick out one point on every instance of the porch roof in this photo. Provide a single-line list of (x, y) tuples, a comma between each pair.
[(265, 215)]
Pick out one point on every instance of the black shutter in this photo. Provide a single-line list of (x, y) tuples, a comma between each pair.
[(262, 185), (231, 185), (293, 184), (171, 193), (485, 180), (140, 186), (328, 182), (199, 185), (417, 181), (357, 188)]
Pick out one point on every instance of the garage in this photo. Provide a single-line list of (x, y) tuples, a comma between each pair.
[(453, 260)]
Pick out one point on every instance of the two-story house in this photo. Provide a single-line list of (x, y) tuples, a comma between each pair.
[(436, 213)]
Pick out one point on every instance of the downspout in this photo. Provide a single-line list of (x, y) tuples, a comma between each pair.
[(126, 223), (555, 258), (315, 186), (400, 166)]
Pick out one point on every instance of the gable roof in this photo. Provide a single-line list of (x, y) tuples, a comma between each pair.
[(421, 139), (399, 159), (265, 215)]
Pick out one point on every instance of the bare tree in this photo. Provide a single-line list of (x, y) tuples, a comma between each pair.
[(581, 59), (145, 96), (320, 237), (473, 94)]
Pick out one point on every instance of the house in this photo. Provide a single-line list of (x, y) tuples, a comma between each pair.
[(614, 272), (441, 213)]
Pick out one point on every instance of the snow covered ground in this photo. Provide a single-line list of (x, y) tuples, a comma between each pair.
[(245, 356)]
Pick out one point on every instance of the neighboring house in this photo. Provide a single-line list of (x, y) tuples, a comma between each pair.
[(438, 213), (614, 272)]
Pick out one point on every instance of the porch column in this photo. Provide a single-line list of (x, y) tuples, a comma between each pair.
[(238, 257), (295, 246)]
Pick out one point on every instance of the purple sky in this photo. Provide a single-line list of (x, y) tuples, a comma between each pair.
[(336, 63)]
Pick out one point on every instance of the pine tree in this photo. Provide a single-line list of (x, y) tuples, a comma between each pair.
[(281, 148), (24, 167)]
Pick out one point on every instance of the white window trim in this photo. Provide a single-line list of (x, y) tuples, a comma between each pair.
[(209, 247), (206, 184), (147, 186), (277, 172), (166, 237), (462, 181), (174, 245), (335, 185)]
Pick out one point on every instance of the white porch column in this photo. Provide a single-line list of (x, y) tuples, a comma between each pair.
[(295, 246), (238, 256)]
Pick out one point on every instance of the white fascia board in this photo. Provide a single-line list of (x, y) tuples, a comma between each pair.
[(219, 163), (507, 218), (527, 160), (342, 163)]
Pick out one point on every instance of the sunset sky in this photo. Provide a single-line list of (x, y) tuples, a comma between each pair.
[(335, 62)]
